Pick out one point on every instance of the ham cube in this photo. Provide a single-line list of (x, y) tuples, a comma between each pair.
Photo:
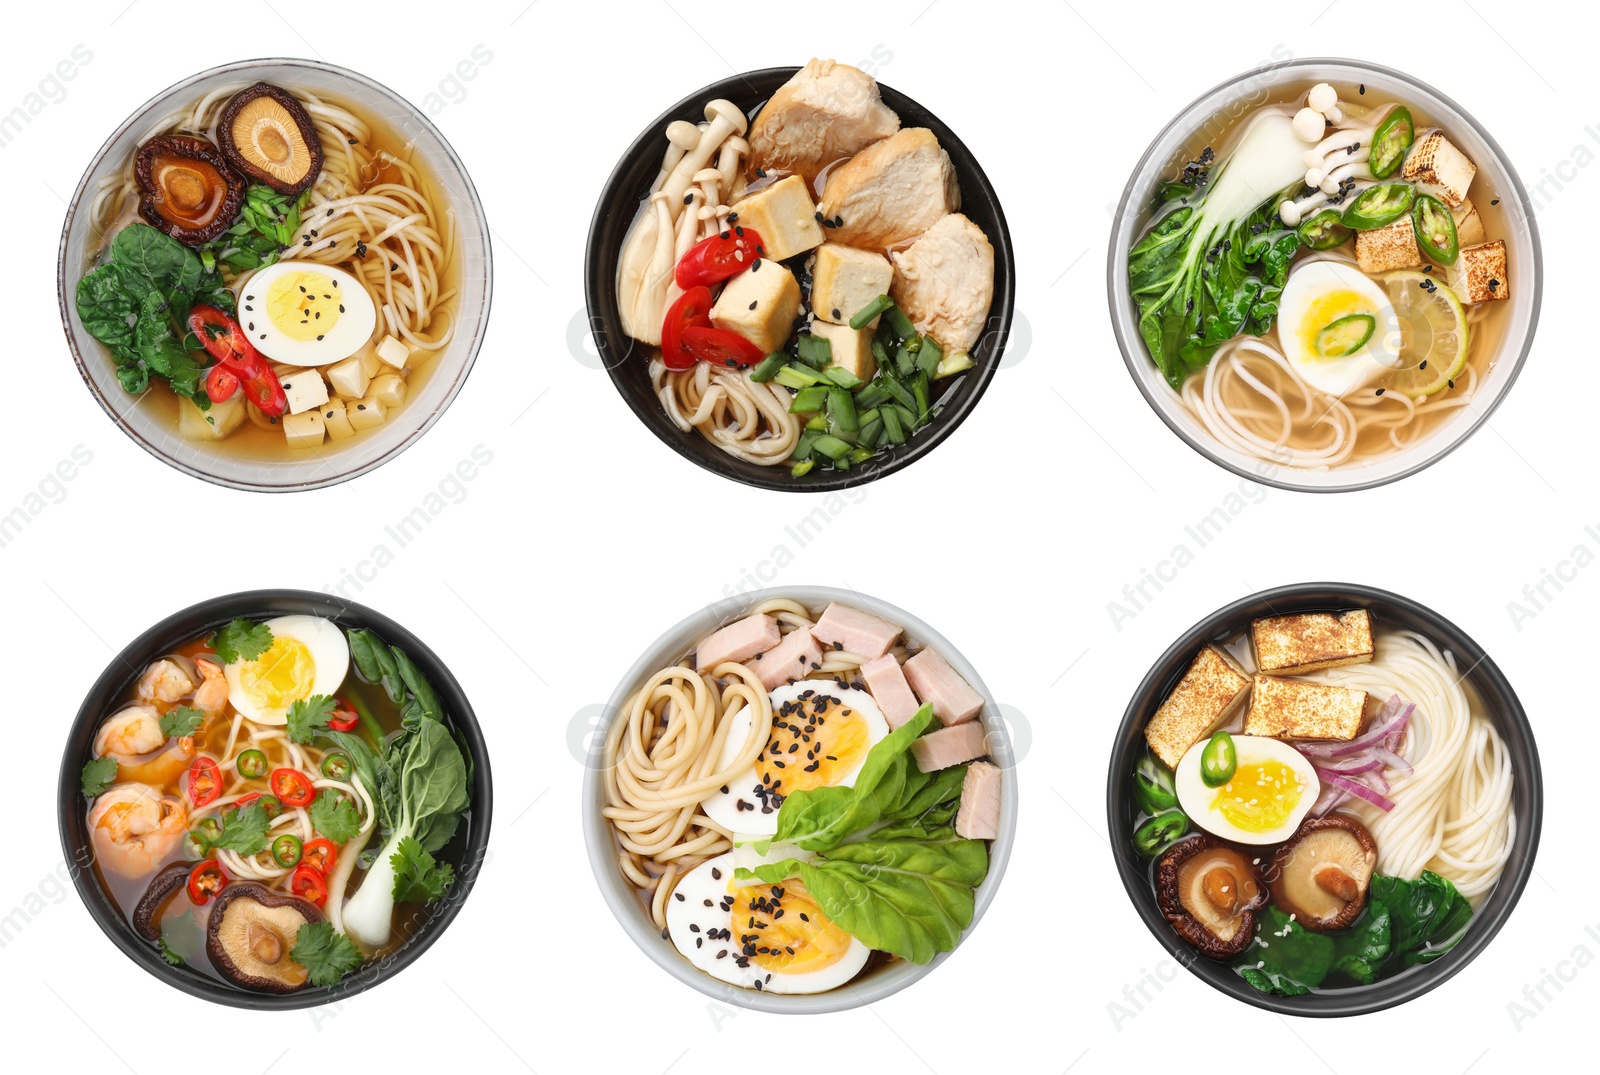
[(739, 641), (942, 687), (890, 690), (796, 657), (979, 816), (950, 746), (860, 632)]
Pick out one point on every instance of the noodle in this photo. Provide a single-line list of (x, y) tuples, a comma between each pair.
[(743, 417)]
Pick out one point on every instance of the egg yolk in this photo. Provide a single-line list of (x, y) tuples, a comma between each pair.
[(781, 928), (1261, 796), (816, 742), (279, 677), (1324, 310), (304, 305)]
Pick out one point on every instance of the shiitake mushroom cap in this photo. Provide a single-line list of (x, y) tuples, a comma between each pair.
[(187, 188), (1334, 842), (1174, 878), (228, 936), (147, 912), (301, 149)]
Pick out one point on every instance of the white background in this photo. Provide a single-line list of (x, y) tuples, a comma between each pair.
[(584, 538)]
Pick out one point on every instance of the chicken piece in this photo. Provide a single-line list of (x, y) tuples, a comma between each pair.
[(945, 282), (828, 111), (891, 191)]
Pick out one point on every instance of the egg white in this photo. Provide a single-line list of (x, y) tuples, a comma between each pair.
[(1299, 321), (722, 807), (699, 886), (346, 336), (330, 654), (1199, 801)]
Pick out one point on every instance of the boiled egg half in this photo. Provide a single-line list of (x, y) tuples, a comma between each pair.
[(756, 935), (1337, 326), (308, 655), (1272, 789), (819, 738), (306, 314)]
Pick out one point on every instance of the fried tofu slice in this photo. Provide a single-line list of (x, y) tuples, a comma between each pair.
[(1394, 246), (1283, 708), (1204, 699), (1479, 274), (1439, 168), (1311, 641)]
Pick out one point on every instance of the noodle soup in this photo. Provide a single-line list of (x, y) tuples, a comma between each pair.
[(1330, 281), (276, 805), (753, 787)]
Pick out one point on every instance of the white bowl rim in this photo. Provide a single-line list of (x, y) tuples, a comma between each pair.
[(474, 207), (624, 900), (1125, 325)]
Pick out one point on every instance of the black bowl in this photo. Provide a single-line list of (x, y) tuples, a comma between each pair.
[(626, 361), (466, 850), (1391, 610)]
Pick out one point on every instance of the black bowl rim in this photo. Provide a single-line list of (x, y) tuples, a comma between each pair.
[(1512, 721), (217, 609), (1133, 349), (649, 140), (469, 362)]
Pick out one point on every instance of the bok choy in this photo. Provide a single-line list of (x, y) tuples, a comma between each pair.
[(1215, 262)]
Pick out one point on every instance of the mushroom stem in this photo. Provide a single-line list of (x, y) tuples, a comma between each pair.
[(682, 136), (713, 212), (724, 119), (1355, 170)]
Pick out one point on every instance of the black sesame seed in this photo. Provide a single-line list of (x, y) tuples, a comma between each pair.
[(1380, 391)]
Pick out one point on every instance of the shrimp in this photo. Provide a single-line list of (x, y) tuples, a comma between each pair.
[(212, 695), (130, 732), (134, 827), (165, 681)]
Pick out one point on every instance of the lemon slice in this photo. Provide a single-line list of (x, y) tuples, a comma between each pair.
[(1433, 333)]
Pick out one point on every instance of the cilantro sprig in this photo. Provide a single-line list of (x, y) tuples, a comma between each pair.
[(181, 720), (97, 776), (242, 640), (418, 877), (335, 816), (308, 716), (327, 956), (244, 830)]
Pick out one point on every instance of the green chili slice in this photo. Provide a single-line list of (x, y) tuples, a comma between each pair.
[(1378, 206), (1152, 784), (336, 766), (195, 845), (1391, 141), (1219, 759), (252, 765), (1435, 229), (286, 850), (1159, 831), (1324, 231), (1341, 337)]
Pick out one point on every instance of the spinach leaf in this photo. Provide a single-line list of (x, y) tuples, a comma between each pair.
[(1289, 959), (1429, 914)]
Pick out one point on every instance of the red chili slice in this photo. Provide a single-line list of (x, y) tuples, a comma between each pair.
[(719, 258), (320, 854), (226, 342), (293, 787), (309, 884), (344, 718), (720, 347), (206, 880), (221, 383), (692, 310), (205, 781), (269, 803), (266, 392)]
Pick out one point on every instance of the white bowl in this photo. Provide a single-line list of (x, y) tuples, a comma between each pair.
[(1218, 108), (333, 463)]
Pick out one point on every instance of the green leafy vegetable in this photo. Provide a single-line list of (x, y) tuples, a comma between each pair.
[(326, 955), (97, 776), (335, 816), (181, 720), (422, 701), (242, 640), (376, 663), (418, 878), (244, 830), (136, 301), (173, 959), (308, 716), (1430, 916)]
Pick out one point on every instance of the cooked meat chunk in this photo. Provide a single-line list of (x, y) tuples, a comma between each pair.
[(945, 281), (828, 111), (891, 191)]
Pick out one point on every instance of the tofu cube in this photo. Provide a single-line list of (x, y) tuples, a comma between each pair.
[(304, 389), (389, 389), (784, 215), (350, 378), (852, 348), (371, 364), (760, 304), (213, 424), (1469, 225), (1479, 274), (1394, 246), (1310, 642), (366, 413), (1440, 169), (394, 352), (1300, 709), (1204, 699), (845, 279), (304, 430), (337, 421)]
